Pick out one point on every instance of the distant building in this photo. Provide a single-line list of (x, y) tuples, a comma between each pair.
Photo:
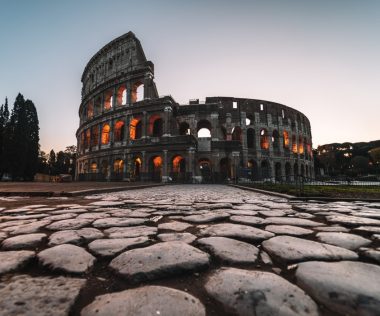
[(128, 131)]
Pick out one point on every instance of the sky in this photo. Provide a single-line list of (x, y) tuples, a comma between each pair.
[(320, 57)]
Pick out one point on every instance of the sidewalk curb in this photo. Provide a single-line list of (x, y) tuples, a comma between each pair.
[(108, 190), (305, 198), (285, 196), (79, 192)]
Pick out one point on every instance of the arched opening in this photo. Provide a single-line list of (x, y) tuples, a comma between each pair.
[(249, 120), (205, 170), (204, 133), (98, 104), (295, 169), (88, 138), (105, 134), (94, 167), (108, 97), (82, 136), (224, 132), (85, 167), (104, 168), (184, 128), (309, 151), (137, 93), (95, 135), (135, 129), (278, 175), (264, 139), (225, 169), (178, 168), (300, 145), (121, 96), (90, 109), (155, 126), (118, 166), (265, 169), (155, 167), (253, 170), (119, 131), (288, 171), (203, 129), (236, 133), (286, 140), (251, 141), (294, 144), (137, 167), (276, 139), (179, 165)]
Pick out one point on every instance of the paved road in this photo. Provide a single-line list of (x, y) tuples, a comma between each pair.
[(189, 250)]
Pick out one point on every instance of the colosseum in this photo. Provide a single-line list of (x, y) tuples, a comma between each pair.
[(128, 132)]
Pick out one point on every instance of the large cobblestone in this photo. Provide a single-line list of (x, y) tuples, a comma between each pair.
[(168, 244)]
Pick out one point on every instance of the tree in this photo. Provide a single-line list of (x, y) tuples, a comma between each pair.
[(32, 133), (20, 151), (360, 164), (60, 162), (52, 162), (70, 161), (4, 118)]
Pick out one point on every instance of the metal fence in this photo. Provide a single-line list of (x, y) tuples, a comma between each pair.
[(300, 182)]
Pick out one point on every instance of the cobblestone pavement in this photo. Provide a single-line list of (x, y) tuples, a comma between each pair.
[(190, 250)]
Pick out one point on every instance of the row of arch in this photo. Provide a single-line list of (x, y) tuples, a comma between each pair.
[(90, 136), (111, 98)]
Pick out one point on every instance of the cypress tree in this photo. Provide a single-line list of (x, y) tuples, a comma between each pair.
[(4, 117), (33, 138), (21, 141), (52, 162)]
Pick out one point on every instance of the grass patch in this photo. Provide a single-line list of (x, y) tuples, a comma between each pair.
[(339, 191)]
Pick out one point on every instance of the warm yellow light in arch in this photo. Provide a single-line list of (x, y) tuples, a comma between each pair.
[(176, 163), (106, 134), (157, 162), (132, 128)]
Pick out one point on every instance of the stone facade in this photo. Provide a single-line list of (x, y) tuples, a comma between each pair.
[(128, 132)]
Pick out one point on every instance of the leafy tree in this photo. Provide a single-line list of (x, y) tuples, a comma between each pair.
[(60, 163), (52, 162), (360, 164)]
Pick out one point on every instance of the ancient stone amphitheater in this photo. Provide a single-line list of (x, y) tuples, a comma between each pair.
[(128, 132)]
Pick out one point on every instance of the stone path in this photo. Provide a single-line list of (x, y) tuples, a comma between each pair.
[(189, 250)]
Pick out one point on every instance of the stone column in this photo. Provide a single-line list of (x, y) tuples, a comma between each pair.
[(214, 126), (102, 104), (147, 84), (235, 165), (126, 129), (190, 162), (167, 116), (111, 133), (143, 169), (164, 176), (144, 125), (114, 99), (244, 139), (100, 126), (129, 93), (228, 126)]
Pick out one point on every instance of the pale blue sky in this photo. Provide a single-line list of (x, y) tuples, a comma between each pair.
[(320, 57)]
